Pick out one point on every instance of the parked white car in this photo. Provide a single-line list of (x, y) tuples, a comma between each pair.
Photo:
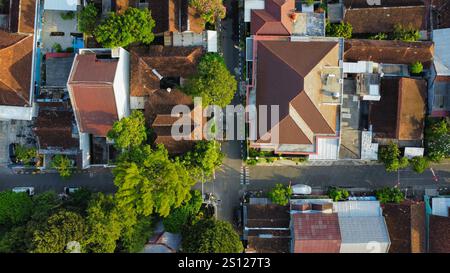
[(301, 189), (70, 190), (28, 190)]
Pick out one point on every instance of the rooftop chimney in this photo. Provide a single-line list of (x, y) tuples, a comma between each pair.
[(157, 74)]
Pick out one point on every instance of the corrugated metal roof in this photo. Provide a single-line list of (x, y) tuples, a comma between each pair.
[(357, 208), (442, 51), (327, 149), (363, 234), (440, 206)]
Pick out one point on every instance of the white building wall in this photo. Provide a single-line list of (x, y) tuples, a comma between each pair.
[(327, 149), (249, 5), (85, 148), (14, 112), (122, 84)]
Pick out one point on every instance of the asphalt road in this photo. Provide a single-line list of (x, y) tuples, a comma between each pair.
[(364, 176)]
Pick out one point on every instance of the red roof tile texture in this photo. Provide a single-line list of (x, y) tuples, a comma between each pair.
[(316, 233), (439, 238), (406, 226), (285, 77), (92, 92), (400, 114), (382, 19), (54, 130), (16, 53), (275, 19), (390, 52)]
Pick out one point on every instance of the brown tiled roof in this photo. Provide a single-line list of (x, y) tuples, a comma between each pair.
[(406, 226), (439, 235), (400, 113), (168, 13), (388, 3), (316, 233), (274, 19), (375, 20), (92, 91), (385, 51), (289, 75), (268, 245), (168, 61), (27, 16), (16, 53), (269, 216), (158, 110), (54, 130)]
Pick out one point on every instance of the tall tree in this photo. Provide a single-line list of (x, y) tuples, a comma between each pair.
[(61, 229), (87, 19), (204, 159), (63, 165), (211, 236), (103, 223), (120, 30), (437, 136), (209, 10), (149, 181), (129, 132), (213, 82), (15, 208), (183, 216)]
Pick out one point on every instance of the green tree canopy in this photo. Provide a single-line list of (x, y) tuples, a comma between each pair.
[(184, 215), (209, 10), (87, 19), (342, 29), (120, 30), (280, 194), (15, 208), (103, 223), (390, 156), (204, 159), (61, 228), (437, 139), (211, 236), (63, 165), (213, 82), (338, 194), (25, 154), (149, 181), (390, 195), (129, 132)]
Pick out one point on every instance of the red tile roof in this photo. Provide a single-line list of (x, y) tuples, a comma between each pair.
[(400, 114), (391, 52), (285, 77), (406, 226), (383, 19), (439, 238), (168, 61), (54, 130), (16, 53), (316, 233), (92, 93), (274, 19)]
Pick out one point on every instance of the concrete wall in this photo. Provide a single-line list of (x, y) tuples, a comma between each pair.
[(15, 112), (122, 84), (85, 147)]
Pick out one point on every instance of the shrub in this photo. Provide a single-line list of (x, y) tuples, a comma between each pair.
[(437, 140), (379, 36), (420, 164), (406, 33), (57, 47), (390, 195), (63, 165), (68, 15), (416, 68), (280, 194), (24, 154), (252, 161), (309, 2), (87, 19), (343, 30), (338, 194), (390, 156)]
